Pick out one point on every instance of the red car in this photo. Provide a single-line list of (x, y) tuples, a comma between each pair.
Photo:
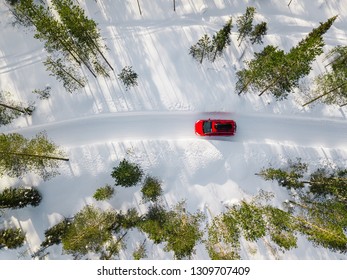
[(215, 127)]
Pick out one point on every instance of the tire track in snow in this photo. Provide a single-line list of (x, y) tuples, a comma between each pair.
[(252, 128)]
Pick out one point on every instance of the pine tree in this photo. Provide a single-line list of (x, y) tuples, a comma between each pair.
[(183, 231), (19, 197), (153, 223), (71, 78), (279, 73), (54, 235), (331, 87), (73, 36), (324, 184), (127, 174), (20, 155), (245, 24), (11, 238), (202, 49), (89, 231), (258, 32), (140, 251), (151, 190), (43, 93), (104, 193), (221, 39), (302, 55), (223, 241), (84, 31), (281, 227), (250, 219), (266, 65), (11, 109), (288, 177), (323, 223), (128, 77), (177, 227), (318, 211)]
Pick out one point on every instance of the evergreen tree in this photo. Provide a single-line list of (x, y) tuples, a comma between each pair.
[(83, 30), (318, 211), (302, 55), (324, 223), (90, 230), (43, 93), (267, 64), (128, 220), (178, 228), (182, 231), (140, 251), (19, 197), (221, 39), (104, 193), (324, 184), (113, 247), (151, 190), (11, 109), (11, 238), (153, 223), (276, 72), (289, 177), (258, 32), (127, 174), (331, 87), (281, 227), (73, 36), (224, 238), (245, 24), (128, 77), (54, 235), (71, 78), (20, 155), (250, 219), (202, 49)]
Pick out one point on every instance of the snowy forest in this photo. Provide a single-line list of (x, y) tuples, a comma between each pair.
[(99, 159)]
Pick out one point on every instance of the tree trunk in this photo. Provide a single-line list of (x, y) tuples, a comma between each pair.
[(13, 108), (138, 4), (71, 76), (324, 94), (174, 5), (110, 254), (244, 87), (35, 156), (303, 220), (318, 228), (202, 57), (269, 86), (214, 55)]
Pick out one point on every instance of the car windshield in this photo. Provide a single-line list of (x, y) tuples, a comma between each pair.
[(207, 127)]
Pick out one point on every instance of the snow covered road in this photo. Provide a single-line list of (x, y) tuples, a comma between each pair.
[(252, 128)]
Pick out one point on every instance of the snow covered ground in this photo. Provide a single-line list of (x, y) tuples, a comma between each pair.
[(153, 124)]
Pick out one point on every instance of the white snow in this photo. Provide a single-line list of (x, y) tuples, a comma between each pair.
[(153, 124)]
